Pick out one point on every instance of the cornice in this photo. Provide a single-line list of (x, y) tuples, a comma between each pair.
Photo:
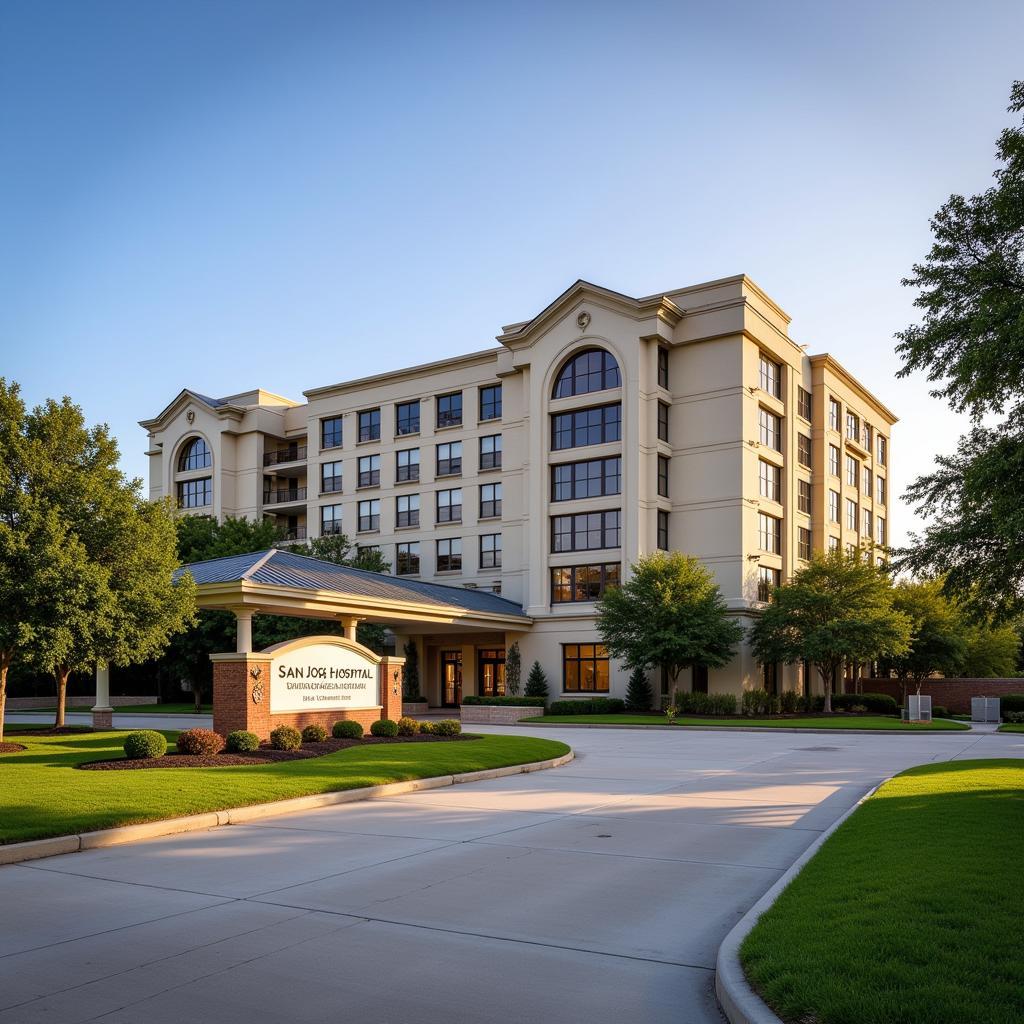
[(829, 362)]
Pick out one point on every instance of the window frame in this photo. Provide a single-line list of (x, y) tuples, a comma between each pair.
[(370, 476), (803, 402), (337, 476), (372, 519), (330, 526), (599, 669), (490, 508), (483, 403), (370, 429), (450, 504), (769, 538), (769, 375), (662, 530), (577, 478), (574, 525), (404, 474), (663, 408), (769, 423), (452, 465), (492, 459), (399, 407), (201, 486), (490, 557), (609, 574), (607, 427), (454, 551), (769, 477), (411, 553), (446, 420), (189, 462), (337, 432), (410, 514), (568, 379)]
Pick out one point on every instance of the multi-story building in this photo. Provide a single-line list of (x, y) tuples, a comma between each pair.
[(604, 428)]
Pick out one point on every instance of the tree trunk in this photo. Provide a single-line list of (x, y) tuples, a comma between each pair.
[(5, 664), (829, 681), (61, 675)]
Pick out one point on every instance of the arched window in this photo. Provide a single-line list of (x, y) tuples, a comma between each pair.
[(195, 455), (593, 369)]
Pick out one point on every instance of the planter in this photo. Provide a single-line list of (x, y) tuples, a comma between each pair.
[(419, 707), (496, 714)]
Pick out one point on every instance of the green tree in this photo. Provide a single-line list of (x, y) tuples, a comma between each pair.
[(337, 548), (513, 670), (991, 651), (670, 615), (412, 671), (970, 344), (837, 608), (537, 682), (638, 694)]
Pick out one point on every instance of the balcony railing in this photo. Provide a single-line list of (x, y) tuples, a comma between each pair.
[(291, 536), (286, 494), (293, 453)]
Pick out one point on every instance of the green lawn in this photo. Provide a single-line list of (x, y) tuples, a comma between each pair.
[(146, 709), (827, 722), (910, 912), (1011, 728), (41, 793)]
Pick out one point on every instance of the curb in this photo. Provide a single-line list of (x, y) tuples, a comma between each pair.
[(746, 728), (737, 999), (34, 849)]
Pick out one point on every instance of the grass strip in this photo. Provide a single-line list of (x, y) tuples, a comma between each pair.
[(826, 722)]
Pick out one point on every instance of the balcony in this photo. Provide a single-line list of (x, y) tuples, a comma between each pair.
[(292, 536), (283, 456), (287, 494)]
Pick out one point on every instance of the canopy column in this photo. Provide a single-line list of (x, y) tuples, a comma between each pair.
[(102, 713), (243, 632)]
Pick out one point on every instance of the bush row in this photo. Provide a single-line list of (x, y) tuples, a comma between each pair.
[(705, 703), (594, 706), (880, 703), (1011, 703), (521, 702)]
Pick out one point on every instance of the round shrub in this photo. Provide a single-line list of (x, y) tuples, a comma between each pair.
[(447, 727), (284, 737), (200, 741), (384, 727), (426, 728), (314, 734), (938, 711), (242, 742), (347, 730), (408, 727), (143, 744)]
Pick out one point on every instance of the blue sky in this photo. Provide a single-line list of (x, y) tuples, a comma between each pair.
[(225, 195)]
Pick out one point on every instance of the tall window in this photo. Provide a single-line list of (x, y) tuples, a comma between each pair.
[(866, 482), (590, 370), (771, 376), (490, 551), (369, 471), (407, 510), (769, 482), (369, 515), (330, 520), (767, 580), (803, 449), (851, 514), (407, 465), (585, 668), (407, 418), (449, 459), (662, 421), (770, 429), (490, 402), (449, 409), (833, 460), (803, 495), (867, 523), (407, 558), (585, 531), (662, 530), (449, 506), (195, 455), (803, 543), (490, 501), (852, 471), (833, 544), (195, 493), (586, 426), (330, 432), (572, 583), (369, 425), (490, 451), (880, 487), (882, 449), (835, 413), (663, 368), (330, 477), (663, 475), (852, 427), (865, 437), (879, 530), (595, 478), (833, 506), (769, 533), (803, 403), (449, 554)]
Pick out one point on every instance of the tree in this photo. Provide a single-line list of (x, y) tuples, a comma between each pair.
[(537, 682), (670, 615), (837, 608), (513, 669), (337, 548), (412, 671), (638, 693), (991, 650), (970, 344)]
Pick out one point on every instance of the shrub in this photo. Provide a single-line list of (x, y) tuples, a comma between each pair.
[(411, 676), (789, 701), (595, 706), (1013, 717), (671, 713), (426, 728), (199, 741), (756, 702), (519, 702), (447, 727), (242, 742), (638, 693), (537, 682), (938, 711), (384, 727), (879, 703), (347, 730), (146, 743), (408, 726), (314, 734), (284, 737), (1012, 702)]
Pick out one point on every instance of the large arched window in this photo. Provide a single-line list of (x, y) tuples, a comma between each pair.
[(593, 369), (195, 455)]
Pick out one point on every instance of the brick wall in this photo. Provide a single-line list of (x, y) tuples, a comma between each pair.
[(952, 694), (496, 714)]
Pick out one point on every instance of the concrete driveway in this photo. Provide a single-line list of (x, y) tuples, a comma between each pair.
[(598, 892)]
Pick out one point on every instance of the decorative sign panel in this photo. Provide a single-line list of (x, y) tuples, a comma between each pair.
[(323, 677)]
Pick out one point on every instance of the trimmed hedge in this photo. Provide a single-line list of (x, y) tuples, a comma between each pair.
[(879, 703), (447, 727), (346, 729), (143, 744), (242, 742), (514, 702), (384, 727), (200, 741), (426, 728), (705, 703), (1012, 702), (314, 734), (594, 706), (408, 726), (284, 737)]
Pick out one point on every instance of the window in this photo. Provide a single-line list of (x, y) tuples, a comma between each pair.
[(449, 409), (663, 475), (330, 520), (882, 447), (369, 425), (767, 580), (407, 510), (369, 515), (490, 451), (866, 482), (490, 551), (449, 555), (803, 403), (768, 478), (851, 514), (803, 496), (852, 471), (330, 432), (449, 506), (407, 418), (662, 530), (880, 487), (407, 558), (851, 550), (865, 437), (586, 426), (490, 501), (663, 368), (833, 506), (195, 455), (490, 402), (407, 465), (852, 427), (803, 543), (769, 533), (195, 493), (582, 582), (771, 376), (835, 413), (867, 523), (771, 429), (593, 479), (585, 668), (833, 460), (449, 459), (330, 477), (662, 421), (803, 450), (880, 530), (585, 531), (590, 370), (369, 471), (833, 544)]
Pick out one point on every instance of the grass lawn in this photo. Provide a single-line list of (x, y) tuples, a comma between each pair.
[(909, 914), (41, 793), (146, 709), (1011, 728), (827, 722)]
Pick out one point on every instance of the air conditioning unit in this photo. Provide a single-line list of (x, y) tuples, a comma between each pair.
[(918, 708)]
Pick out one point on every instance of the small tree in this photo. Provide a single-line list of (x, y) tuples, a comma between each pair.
[(513, 670), (537, 682), (638, 693), (412, 671)]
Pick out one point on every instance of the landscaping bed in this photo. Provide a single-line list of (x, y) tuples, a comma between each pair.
[(833, 721), (11, 748)]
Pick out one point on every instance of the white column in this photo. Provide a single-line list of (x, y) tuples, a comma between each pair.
[(102, 688), (243, 635), (349, 623)]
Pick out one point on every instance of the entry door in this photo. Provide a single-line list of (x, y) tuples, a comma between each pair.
[(492, 672), (451, 678)]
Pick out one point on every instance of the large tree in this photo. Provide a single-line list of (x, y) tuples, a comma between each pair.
[(836, 609), (991, 650), (970, 343), (669, 615)]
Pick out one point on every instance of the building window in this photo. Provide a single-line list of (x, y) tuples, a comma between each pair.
[(851, 514), (490, 551), (369, 471), (407, 558), (771, 376), (880, 486), (585, 668), (770, 677), (195, 455), (330, 520), (833, 544), (571, 583), (662, 530), (330, 432), (369, 425), (593, 479), (490, 501), (490, 451), (803, 496), (663, 475), (407, 510), (330, 477), (771, 429), (767, 580), (590, 370), (449, 409), (407, 418), (769, 480), (882, 445), (449, 506), (880, 530), (195, 493), (833, 506), (866, 484), (449, 459), (662, 421), (803, 403), (449, 554), (407, 465), (585, 531), (852, 471), (586, 426), (852, 427), (663, 368), (803, 543), (803, 450), (865, 437), (833, 460), (867, 523), (769, 533), (490, 402), (851, 550), (835, 414), (369, 515)]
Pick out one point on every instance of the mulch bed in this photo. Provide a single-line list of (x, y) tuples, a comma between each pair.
[(265, 755), (11, 748)]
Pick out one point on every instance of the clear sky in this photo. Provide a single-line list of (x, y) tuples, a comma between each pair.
[(222, 195)]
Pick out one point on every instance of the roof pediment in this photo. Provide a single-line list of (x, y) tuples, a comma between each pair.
[(184, 398)]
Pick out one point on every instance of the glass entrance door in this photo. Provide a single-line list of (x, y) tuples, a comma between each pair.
[(451, 678), (491, 672)]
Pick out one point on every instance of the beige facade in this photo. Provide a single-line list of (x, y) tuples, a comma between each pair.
[(725, 431)]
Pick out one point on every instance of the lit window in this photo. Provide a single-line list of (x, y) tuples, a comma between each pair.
[(585, 668), (588, 371), (574, 583)]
